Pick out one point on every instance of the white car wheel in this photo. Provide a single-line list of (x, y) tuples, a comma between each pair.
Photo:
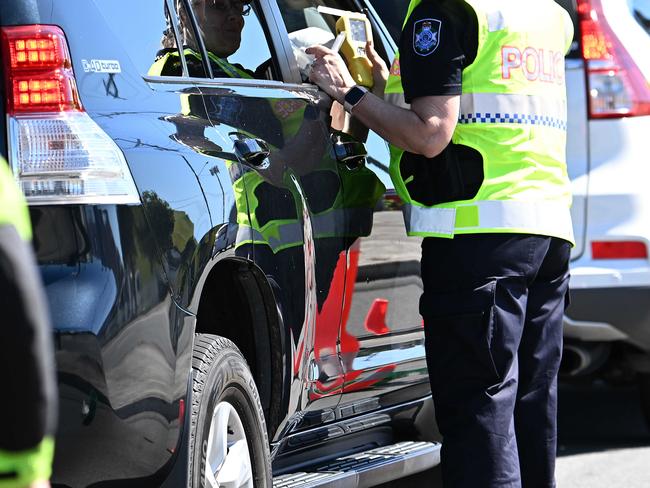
[(229, 446), (227, 454)]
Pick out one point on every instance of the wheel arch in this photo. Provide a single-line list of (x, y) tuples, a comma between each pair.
[(237, 302)]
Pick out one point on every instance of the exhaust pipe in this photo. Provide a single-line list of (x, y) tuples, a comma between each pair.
[(582, 359)]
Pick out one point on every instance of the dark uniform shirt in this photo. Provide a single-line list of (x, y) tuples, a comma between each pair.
[(29, 402), (438, 41), (435, 67)]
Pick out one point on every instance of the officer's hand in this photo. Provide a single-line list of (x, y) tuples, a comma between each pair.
[(379, 69), (39, 484), (330, 72)]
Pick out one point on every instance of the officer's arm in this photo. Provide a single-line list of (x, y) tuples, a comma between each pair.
[(424, 129)]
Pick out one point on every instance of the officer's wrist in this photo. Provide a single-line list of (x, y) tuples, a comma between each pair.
[(353, 97), (339, 93)]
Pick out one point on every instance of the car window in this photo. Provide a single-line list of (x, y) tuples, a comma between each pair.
[(641, 11), (392, 12), (307, 26), (146, 30), (233, 35)]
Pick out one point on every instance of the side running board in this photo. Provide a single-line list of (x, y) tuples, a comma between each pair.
[(368, 468)]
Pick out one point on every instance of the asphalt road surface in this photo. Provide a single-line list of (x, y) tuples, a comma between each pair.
[(603, 442)]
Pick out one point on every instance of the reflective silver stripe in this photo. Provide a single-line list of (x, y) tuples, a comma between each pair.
[(246, 234), (545, 218), (289, 235), (343, 222), (396, 99), (336, 223), (485, 108), (329, 223), (492, 103), (429, 220), (548, 218)]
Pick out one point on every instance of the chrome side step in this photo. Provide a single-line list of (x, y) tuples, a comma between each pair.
[(368, 468)]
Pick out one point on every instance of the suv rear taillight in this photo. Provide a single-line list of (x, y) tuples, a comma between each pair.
[(59, 155), (616, 85), (619, 250)]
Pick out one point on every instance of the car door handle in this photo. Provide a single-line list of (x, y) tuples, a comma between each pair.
[(349, 151), (253, 152)]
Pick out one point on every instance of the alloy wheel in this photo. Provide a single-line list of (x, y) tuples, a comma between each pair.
[(228, 460)]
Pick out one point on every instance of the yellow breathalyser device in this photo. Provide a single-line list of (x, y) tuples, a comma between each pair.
[(356, 28)]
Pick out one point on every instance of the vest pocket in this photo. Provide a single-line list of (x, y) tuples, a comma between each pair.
[(455, 174)]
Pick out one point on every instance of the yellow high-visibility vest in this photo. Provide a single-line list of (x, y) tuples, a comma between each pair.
[(513, 112), (13, 208)]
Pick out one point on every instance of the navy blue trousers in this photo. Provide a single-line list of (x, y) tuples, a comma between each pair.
[(493, 307)]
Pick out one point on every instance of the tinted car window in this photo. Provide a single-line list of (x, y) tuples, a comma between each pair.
[(232, 31), (303, 14), (392, 12), (307, 26), (145, 28), (254, 49)]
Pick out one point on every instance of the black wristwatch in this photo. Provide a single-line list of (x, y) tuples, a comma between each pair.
[(354, 96)]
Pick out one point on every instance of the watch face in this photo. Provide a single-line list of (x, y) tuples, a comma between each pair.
[(358, 28), (354, 95)]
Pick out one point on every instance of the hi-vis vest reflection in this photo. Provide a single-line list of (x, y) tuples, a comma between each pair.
[(13, 208), (260, 221), (513, 112)]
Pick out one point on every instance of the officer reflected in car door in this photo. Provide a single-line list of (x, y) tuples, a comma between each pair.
[(381, 337), (276, 145)]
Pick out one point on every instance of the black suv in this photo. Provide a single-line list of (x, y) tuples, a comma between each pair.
[(233, 295)]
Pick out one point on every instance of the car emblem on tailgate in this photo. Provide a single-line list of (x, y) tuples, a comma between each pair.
[(101, 66)]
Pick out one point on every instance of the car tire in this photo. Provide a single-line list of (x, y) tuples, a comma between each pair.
[(228, 440)]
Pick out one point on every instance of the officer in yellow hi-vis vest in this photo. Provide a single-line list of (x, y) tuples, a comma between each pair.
[(476, 115), (220, 23), (28, 408)]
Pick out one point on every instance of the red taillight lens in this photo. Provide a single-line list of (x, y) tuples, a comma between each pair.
[(35, 46), (616, 85), (58, 153), (619, 250), (38, 70)]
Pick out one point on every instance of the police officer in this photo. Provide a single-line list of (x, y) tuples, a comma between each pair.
[(477, 121), (28, 407)]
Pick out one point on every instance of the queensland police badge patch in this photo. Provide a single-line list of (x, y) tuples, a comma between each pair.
[(426, 36)]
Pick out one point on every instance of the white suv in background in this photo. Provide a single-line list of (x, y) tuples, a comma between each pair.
[(607, 327)]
